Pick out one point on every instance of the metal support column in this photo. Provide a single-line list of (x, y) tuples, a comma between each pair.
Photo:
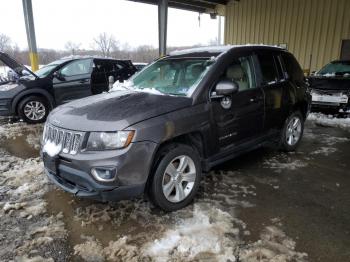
[(162, 25), (219, 31), (29, 22)]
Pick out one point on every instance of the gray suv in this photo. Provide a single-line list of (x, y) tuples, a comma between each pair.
[(176, 119)]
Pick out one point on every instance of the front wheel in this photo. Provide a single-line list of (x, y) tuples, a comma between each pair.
[(33, 109), (176, 178), (292, 132)]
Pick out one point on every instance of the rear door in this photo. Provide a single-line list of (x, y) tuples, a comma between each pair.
[(242, 121), (102, 69), (74, 81), (272, 81)]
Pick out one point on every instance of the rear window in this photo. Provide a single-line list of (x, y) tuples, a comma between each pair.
[(292, 67)]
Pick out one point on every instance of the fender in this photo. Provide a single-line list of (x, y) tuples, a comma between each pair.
[(30, 92)]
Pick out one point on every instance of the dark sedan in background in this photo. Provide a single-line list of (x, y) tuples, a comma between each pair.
[(32, 95), (330, 88)]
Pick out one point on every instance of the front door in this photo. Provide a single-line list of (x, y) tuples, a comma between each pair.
[(73, 81), (239, 117)]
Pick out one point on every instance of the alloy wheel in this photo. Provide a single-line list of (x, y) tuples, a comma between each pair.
[(179, 178), (34, 110), (293, 131)]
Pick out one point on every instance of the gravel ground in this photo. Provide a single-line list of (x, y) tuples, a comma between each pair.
[(263, 206)]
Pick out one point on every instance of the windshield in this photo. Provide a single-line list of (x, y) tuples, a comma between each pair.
[(336, 68), (172, 76), (45, 70)]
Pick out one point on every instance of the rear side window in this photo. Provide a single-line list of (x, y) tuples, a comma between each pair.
[(294, 71), (119, 66), (268, 68)]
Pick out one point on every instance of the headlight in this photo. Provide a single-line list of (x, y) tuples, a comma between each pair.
[(109, 140)]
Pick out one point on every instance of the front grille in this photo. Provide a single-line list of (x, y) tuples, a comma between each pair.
[(69, 141)]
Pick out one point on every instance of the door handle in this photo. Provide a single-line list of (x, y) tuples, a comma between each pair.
[(255, 99)]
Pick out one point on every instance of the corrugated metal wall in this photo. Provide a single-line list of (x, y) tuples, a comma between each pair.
[(308, 27)]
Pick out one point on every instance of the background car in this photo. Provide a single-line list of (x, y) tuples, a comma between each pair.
[(330, 88), (32, 95)]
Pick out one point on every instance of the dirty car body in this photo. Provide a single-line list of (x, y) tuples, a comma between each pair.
[(153, 120)]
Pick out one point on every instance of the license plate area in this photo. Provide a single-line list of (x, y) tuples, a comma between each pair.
[(329, 99), (51, 163)]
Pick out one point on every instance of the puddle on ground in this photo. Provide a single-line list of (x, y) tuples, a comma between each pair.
[(19, 147)]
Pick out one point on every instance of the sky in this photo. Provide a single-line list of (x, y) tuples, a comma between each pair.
[(59, 21)]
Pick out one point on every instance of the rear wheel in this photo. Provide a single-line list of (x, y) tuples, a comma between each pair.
[(292, 132), (176, 178), (33, 109)]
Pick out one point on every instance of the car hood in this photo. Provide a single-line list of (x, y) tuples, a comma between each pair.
[(114, 111), (14, 65)]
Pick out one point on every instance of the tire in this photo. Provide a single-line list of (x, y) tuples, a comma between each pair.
[(39, 106), (168, 178), (292, 132)]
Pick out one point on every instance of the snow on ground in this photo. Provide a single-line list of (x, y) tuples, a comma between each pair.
[(13, 130), (25, 226), (207, 230), (329, 120), (284, 161), (274, 246), (26, 230)]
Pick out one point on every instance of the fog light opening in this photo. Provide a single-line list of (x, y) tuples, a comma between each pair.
[(104, 174)]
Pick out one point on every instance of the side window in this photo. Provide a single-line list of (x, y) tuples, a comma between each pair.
[(77, 67), (118, 66), (268, 68), (292, 67), (241, 72)]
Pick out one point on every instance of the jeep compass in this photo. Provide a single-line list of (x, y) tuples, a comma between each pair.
[(181, 115)]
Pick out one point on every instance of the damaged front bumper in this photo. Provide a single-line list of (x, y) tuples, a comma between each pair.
[(73, 173)]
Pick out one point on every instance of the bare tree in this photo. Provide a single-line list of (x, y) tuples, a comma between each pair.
[(5, 42), (72, 47), (105, 43)]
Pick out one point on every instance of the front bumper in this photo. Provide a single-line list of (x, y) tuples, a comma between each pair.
[(328, 99), (133, 164)]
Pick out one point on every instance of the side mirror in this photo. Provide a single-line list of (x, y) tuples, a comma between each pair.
[(226, 87), (58, 75)]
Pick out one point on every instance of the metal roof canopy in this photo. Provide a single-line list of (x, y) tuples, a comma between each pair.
[(201, 6)]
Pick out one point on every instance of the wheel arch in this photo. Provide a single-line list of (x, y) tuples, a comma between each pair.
[(193, 139), (32, 92)]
